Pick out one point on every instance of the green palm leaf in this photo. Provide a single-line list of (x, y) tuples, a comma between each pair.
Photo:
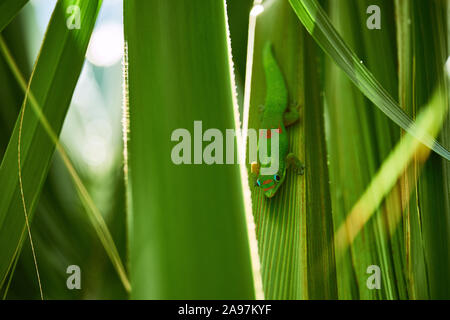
[(187, 230), (51, 86), (319, 26)]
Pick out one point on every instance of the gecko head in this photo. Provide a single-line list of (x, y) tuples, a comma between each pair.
[(269, 184)]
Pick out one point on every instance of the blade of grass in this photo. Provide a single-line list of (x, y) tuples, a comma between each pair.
[(416, 268), (8, 10), (187, 230), (238, 17), (431, 120), (69, 46), (92, 211), (322, 282), (11, 92), (390, 236), (359, 137), (319, 26), (238, 13), (423, 43)]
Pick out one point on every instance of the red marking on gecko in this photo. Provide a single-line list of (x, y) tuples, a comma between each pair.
[(268, 133), (279, 130), (267, 181), (269, 188)]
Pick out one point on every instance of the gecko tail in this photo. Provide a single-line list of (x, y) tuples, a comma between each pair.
[(276, 91)]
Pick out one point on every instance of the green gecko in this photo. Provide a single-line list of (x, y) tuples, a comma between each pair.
[(276, 116)]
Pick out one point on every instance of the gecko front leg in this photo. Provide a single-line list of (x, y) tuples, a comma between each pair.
[(291, 116), (293, 162)]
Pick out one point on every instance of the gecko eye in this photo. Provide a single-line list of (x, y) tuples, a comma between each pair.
[(258, 183), (277, 177)]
